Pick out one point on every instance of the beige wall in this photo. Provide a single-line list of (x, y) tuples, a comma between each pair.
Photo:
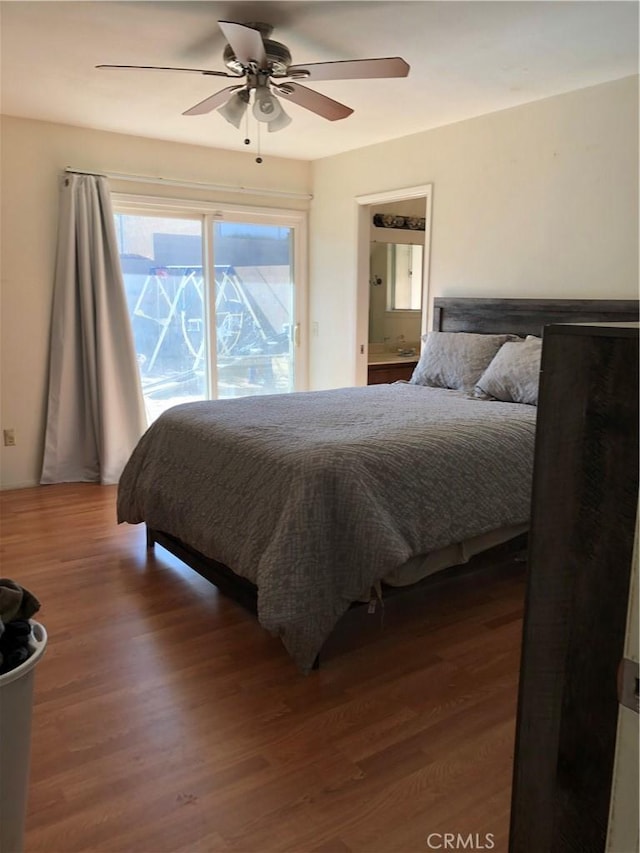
[(33, 156), (536, 201)]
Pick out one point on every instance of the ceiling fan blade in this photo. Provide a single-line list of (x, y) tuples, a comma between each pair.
[(314, 101), (204, 71), (210, 103), (245, 42), (351, 69)]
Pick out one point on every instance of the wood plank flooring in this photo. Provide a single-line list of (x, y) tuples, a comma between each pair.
[(166, 719)]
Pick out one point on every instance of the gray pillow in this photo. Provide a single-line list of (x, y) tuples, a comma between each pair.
[(514, 373), (455, 359)]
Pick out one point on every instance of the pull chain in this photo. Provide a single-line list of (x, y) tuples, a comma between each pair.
[(247, 141), (258, 158)]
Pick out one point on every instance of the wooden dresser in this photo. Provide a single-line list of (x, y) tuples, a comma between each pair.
[(383, 372), (585, 500)]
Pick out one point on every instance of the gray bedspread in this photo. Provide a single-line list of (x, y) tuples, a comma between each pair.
[(315, 496)]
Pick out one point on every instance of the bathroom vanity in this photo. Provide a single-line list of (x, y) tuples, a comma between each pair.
[(388, 367)]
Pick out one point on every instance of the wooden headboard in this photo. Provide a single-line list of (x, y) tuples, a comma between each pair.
[(526, 316)]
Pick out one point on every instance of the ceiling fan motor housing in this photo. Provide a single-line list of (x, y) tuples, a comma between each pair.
[(278, 59)]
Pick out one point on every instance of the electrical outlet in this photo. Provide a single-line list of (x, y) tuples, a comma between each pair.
[(9, 438)]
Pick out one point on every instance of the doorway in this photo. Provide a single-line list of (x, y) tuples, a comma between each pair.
[(407, 202)]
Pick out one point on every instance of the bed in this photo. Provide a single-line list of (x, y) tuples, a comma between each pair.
[(300, 505)]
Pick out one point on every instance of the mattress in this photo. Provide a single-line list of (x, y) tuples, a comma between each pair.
[(421, 567)]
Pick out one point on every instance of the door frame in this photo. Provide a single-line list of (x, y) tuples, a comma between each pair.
[(365, 202)]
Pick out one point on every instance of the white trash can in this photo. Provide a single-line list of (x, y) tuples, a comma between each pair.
[(16, 700)]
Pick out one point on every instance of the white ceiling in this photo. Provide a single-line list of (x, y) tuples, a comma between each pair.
[(466, 58)]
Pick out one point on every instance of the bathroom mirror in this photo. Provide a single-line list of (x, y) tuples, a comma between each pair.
[(404, 277), (395, 298)]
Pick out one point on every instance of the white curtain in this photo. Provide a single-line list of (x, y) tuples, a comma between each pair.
[(95, 411)]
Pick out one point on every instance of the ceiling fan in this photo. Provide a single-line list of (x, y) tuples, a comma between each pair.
[(251, 55)]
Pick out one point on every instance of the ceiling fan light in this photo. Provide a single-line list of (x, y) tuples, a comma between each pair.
[(235, 108), (280, 122), (266, 106)]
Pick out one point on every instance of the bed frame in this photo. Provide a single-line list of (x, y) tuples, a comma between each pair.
[(457, 314)]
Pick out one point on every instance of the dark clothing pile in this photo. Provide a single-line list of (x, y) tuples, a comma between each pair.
[(17, 606)]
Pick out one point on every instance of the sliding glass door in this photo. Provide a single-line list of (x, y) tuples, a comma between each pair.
[(255, 326), (216, 303)]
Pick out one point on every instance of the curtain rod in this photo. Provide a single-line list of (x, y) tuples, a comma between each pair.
[(194, 185)]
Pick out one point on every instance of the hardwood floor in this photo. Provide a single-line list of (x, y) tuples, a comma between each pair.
[(166, 719)]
